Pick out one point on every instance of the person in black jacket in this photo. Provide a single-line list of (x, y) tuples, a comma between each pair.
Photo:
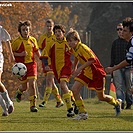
[(127, 63), (121, 77)]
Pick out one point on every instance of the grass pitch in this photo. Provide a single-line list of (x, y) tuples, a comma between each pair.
[(101, 118)]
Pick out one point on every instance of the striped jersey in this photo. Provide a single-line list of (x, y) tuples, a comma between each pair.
[(59, 54), (44, 39), (83, 53), (29, 45)]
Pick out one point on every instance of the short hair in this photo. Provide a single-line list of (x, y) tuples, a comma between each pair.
[(128, 22), (59, 26), (25, 23), (50, 21), (119, 24), (73, 34)]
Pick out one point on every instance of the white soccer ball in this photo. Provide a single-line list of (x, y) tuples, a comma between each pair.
[(19, 70)]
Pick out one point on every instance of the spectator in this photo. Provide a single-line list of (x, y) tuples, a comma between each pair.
[(121, 76), (128, 62)]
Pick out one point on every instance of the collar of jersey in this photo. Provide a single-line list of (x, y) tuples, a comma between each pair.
[(50, 35), (24, 38), (61, 41), (77, 47)]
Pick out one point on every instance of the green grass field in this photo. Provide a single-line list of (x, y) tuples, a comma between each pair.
[(101, 118)]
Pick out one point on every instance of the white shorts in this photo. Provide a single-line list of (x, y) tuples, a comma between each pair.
[(1, 62)]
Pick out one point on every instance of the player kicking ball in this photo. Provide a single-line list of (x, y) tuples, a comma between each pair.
[(90, 73)]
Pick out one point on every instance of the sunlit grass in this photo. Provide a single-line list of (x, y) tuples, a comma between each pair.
[(101, 118)]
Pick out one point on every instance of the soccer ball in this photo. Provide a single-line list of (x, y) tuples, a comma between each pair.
[(19, 70)]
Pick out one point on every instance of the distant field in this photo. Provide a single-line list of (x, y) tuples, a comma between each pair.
[(101, 118)]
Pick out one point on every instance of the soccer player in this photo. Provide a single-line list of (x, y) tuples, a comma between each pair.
[(61, 66), (90, 73), (5, 100), (50, 88), (127, 34), (24, 48)]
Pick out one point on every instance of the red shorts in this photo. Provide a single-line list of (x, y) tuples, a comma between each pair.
[(65, 73), (31, 72), (97, 83)]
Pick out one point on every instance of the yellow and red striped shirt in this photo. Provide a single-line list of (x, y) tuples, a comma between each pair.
[(29, 45), (59, 54), (44, 39), (83, 53)]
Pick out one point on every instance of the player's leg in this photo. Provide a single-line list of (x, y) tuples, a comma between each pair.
[(129, 85), (48, 89), (57, 96), (67, 98), (20, 90), (32, 95), (4, 107), (4, 92), (119, 82), (79, 101), (73, 102), (109, 99)]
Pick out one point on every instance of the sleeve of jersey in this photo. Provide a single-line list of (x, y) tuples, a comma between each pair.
[(36, 45), (45, 55), (6, 35), (88, 54), (40, 42), (46, 51), (14, 46)]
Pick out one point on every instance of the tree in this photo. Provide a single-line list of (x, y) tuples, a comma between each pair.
[(36, 12)]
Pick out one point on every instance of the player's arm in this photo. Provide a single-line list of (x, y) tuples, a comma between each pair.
[(83, 66), (23, 53), (120, 65), (127, 61), (45, 56), (75, 64), (38, 53), (11, 55), (6, 40)]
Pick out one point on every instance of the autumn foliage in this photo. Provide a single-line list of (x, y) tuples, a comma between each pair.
[(37, 13)]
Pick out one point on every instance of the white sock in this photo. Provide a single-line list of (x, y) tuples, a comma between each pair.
[(3, 104), (6, 97)]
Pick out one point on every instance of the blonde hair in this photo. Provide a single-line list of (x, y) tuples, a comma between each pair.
[(73, 34)]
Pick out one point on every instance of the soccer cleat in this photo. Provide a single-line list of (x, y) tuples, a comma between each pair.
[(70, 112), (81, 116), (18, 96), (42, 104), (10, 108), (118, 108), (5, 114), (76, 111), (33, 109), (59, 104)]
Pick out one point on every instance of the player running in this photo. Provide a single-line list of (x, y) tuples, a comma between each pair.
[(90, 73), (61, 66), (50, 88)]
